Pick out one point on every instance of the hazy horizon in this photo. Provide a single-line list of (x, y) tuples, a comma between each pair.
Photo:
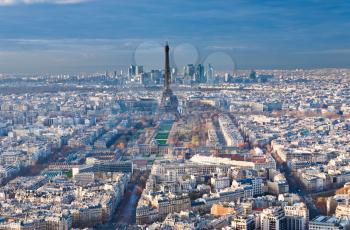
[(74, 36)]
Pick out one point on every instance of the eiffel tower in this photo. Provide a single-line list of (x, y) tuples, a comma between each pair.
[(169, 103)]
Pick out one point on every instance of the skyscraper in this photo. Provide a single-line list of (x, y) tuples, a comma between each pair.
[(199, 75), (210, 74), (131, 71), (156, 76), (139, 69), (189, 71)]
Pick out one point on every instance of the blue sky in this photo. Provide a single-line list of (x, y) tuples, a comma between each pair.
[(67, 36)]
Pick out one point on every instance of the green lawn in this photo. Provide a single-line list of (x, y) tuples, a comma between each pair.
[(163, 132), (161, 142), (162, 136)]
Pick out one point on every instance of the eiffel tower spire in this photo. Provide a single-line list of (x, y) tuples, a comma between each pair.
[(167, 67)]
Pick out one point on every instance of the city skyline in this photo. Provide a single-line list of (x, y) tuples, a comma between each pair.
[(174, 115), (73, 36)]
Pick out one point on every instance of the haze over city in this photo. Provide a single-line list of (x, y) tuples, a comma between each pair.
[(168, 115)]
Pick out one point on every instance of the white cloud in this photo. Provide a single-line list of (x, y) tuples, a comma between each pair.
[(326, 51), (28, 2)]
